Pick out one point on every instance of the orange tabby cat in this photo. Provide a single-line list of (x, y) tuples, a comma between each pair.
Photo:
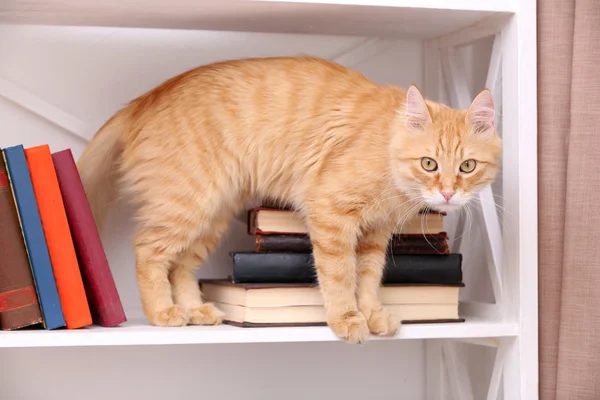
[(354, 158)]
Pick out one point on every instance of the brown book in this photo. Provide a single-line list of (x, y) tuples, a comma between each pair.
[(279, 221), (279, 243), (19, 306), (302, 304), (433, 243)]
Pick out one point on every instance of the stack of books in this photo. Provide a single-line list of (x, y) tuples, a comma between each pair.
[(276, 284), (53, 268)]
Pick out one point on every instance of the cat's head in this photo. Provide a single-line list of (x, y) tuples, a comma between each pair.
[(442, 156)]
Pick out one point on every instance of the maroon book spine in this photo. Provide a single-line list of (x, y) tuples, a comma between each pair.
[(107, 309)]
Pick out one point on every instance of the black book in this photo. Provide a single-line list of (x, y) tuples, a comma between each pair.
[(251, 267)]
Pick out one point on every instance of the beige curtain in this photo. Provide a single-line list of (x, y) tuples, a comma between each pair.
[(569, 198)]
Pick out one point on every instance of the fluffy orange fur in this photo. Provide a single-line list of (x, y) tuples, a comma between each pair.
[(353, 157)]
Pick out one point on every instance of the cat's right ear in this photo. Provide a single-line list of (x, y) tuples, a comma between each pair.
[(416, 111)]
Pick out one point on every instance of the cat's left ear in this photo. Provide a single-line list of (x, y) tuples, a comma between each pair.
[(482, 113)]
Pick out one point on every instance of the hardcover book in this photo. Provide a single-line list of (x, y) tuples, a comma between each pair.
[(271, 221), (19, 306), (105, 303), (253, 305), (306, 294), (58, 237), (286, 267), (434, 243)]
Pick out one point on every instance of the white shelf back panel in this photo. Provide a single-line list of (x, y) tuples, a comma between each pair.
[(88, 73)]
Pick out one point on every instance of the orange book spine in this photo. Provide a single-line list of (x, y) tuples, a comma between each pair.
[(65, 266)]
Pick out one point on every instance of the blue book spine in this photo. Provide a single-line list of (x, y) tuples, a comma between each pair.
[(33, 233)]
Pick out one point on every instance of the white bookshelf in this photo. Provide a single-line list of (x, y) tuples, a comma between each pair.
[(138, 332), (507, 324)]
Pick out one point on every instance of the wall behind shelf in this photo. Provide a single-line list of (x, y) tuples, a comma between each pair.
[(89, 73)]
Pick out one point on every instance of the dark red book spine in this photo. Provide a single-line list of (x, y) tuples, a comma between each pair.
[(107, 309), (431, 243)]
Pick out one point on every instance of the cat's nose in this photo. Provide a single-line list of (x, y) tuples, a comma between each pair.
[(447, 194)]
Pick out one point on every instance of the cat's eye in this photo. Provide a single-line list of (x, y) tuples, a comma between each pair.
[(428, 164), (468, 166)]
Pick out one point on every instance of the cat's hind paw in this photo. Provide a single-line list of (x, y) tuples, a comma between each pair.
[(171, 316), (206, 314), (382, 322), (351, 327)]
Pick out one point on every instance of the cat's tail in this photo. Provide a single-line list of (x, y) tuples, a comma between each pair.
[(98, 166)]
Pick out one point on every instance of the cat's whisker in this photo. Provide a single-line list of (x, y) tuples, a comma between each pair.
[(407, 214), (404, 217), (500, 208), (401, 217), (469, 217), (372, 205), (393, 209), (398, 206), (497, 205), (502, 213), (424, 220), (391, 189)]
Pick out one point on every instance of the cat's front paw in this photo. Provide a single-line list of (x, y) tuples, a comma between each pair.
[(206, 314), (171, 316), (351, 327), (382, 322)]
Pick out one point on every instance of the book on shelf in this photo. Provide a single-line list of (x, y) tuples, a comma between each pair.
[(412, 243), (19, 306), (287, 267), (58, 237), (264, 305), (273, 221), (105, 303), (53, 270)]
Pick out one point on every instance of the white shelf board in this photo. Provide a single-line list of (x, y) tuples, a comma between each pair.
[(139, 332), (384, 18)]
